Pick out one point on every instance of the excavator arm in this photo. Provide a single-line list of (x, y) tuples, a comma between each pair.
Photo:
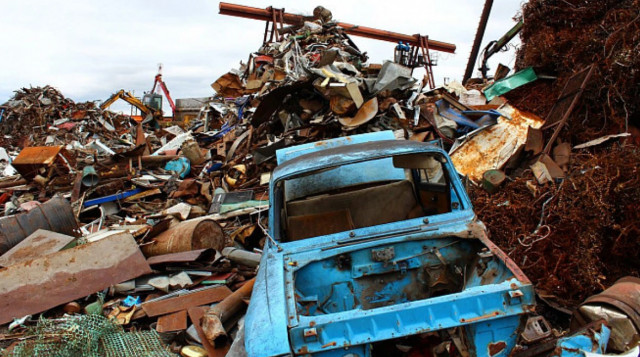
[(495, 46), (129, 98)]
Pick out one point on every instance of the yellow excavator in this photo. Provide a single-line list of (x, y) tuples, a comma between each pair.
[(150, 106)]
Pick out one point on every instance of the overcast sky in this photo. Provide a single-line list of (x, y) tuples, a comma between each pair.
[(90, 49)]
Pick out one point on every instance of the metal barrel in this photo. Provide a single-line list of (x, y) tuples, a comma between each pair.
[(198, 233), (619, 305), (54, 215)]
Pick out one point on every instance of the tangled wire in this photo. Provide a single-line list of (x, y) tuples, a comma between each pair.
[(562, 37), (575, 238)]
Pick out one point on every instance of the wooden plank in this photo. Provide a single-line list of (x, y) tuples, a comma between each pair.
[(195, 314), (176, 321), (37, 285), (37, 244), (197, 298)]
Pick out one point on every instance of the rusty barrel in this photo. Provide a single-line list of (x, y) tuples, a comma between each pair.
[(54, 215), (198, 233), (620, 306)]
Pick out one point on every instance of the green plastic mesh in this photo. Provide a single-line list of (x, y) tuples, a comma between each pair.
[(88, 335), (141, 343)]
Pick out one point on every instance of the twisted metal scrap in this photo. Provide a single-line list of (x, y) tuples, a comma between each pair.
[(565, 36), (575, 238)]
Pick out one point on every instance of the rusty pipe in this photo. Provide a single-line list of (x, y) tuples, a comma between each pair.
[(255, 13), (484, 18), (8, 184), (214, 318)]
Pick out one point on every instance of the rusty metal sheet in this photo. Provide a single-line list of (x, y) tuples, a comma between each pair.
[(176, 321), (367, 112), (196, 298), (38, 244), (566, 102), (31, 159), (37, 285), (535, 141), (183, 257), (491, 148)]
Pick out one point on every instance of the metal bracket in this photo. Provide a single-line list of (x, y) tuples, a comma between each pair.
[(421, 57), (276, 22)]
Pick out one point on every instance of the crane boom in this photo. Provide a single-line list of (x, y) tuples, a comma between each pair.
[(158, 82)]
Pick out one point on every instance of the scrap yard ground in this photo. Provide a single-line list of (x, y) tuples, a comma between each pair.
[(141, 229)]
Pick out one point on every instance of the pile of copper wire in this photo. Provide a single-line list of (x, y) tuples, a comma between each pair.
[(575, 237), (562, 37)]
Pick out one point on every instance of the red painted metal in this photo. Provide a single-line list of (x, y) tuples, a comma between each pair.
[(158, 82), (255, 13)]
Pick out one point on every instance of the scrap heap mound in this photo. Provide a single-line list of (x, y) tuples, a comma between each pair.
[(35, 113), (576, 237), (560, 38), (186, 201), (183, 202)]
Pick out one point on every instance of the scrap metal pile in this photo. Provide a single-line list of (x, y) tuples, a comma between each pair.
[(560, 37), (163, 221), (576, 236)]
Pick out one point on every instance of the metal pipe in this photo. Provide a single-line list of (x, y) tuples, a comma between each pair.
[(8, 184), (216, 316), (90, 177), (242, 256), (478, 40), (255, 13)]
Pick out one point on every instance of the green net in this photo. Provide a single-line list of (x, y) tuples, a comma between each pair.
[(140, 343), (87, 335)]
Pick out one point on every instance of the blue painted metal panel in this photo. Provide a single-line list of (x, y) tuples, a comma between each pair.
[(289, 153), (364, 326), (494, 338), (591, 341), (266, 319), (305, 302), (445, 110), (340, 176)]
